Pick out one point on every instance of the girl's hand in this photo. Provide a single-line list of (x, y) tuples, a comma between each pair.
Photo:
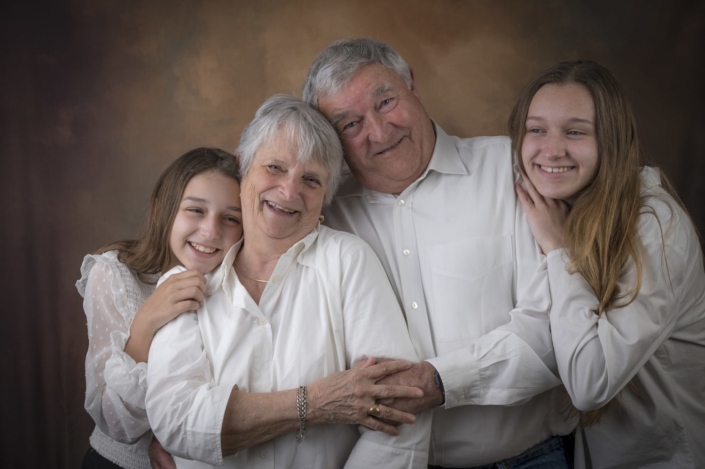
[(179, 293), (347, 396), (546, 216), (158, 456)]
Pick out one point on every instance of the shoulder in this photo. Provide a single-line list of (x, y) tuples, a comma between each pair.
[(498, 144), (336, 250), (661, 217), (495, 149), (486, 154), (107, 267), (332, 241), (98, 267)]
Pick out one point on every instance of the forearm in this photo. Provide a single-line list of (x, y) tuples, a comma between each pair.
[(599, 354), (253, 418), (138, 344)]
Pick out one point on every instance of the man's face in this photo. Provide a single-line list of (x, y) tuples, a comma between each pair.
[(386, 133)]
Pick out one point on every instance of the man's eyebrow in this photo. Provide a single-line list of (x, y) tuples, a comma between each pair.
[(376, 93), (382, 89), (339, 117)]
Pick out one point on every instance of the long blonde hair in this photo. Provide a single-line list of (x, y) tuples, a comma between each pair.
[(601, 229), (150, 253)]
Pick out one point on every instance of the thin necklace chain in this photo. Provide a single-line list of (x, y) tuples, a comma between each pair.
[(245, 274)]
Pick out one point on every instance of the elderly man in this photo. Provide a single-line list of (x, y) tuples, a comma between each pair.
[(442, 215)]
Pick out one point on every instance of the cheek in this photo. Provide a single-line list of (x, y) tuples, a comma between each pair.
[(353, 147), (314, 203), (526, 153), (248, 197), (177, 231)]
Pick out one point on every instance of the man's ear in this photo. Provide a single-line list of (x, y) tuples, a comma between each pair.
[(412, 87)]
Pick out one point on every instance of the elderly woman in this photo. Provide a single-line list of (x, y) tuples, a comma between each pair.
[(257, 376)]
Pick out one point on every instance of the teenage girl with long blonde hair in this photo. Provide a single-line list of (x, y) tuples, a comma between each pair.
[(625, 269)]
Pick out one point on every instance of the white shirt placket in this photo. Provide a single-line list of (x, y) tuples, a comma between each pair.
[(409, 268)]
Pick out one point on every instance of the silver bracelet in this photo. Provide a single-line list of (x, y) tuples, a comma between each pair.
[(301, 408)]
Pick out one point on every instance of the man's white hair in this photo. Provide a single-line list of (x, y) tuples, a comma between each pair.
[(337, 64)]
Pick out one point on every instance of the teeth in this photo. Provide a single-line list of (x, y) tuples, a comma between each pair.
[(279, 207), (203, 249), (550, 169)]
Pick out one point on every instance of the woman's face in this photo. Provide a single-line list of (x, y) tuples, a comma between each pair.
[(208, 221), (282, 198), (559, 150)]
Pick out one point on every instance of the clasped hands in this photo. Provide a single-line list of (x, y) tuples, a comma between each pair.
[(399, 389)]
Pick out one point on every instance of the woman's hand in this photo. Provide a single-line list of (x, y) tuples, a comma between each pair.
[(347, 396), (546, 216), (179, 293), (158, 456)]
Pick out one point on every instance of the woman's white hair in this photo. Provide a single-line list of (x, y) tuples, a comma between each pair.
[(304, 127), (336, 64)]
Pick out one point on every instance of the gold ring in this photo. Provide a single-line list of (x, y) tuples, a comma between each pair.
[(374, 410)]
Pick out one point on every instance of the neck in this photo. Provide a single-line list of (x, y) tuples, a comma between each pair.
[(258, 257)]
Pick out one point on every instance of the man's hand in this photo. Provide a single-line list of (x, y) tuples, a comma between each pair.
[(158, 457), (420, 375)]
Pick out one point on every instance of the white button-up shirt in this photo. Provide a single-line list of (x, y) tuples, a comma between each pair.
[(657, 342), (473, 285), (327, 305)]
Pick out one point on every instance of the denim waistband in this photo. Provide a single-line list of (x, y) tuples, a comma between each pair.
[(537, 450)]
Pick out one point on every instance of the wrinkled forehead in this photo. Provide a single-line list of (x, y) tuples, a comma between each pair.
[(295, 138), (367, 77)]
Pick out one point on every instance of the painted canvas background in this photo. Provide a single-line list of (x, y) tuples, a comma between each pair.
[(97, 97)]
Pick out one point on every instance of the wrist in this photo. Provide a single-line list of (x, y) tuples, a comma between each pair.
[(439, 385)]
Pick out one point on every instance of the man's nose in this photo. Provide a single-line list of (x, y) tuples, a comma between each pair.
[(376, 128)]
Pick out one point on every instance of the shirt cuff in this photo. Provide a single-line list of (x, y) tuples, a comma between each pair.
[(557, 258), (461, 375)]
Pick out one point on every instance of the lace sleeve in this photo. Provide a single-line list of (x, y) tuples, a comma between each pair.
[(115, 384)]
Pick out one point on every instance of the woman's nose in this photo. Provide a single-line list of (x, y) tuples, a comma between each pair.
[(289, 187), (555, 147), (210, 229)]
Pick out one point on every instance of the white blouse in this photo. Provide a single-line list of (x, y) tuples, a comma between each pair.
[(657, 342), (115, 384), (328, 304)]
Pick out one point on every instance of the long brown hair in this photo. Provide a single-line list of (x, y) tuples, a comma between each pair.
[(150, 254), (601, 229)]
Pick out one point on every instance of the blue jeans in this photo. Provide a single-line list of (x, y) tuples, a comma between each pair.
[(549, 454)]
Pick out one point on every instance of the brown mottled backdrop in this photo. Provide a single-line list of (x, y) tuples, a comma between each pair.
[(99, 96)]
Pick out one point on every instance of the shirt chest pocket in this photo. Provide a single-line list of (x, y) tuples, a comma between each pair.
[(472, 286)]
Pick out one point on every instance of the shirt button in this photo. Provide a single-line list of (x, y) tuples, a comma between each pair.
[(262, 322), (461, 398), (263, 455), (401, 202), (406, 252), (414, 305)]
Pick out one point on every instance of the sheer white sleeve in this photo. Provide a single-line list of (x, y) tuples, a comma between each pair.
[(115, 384)]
